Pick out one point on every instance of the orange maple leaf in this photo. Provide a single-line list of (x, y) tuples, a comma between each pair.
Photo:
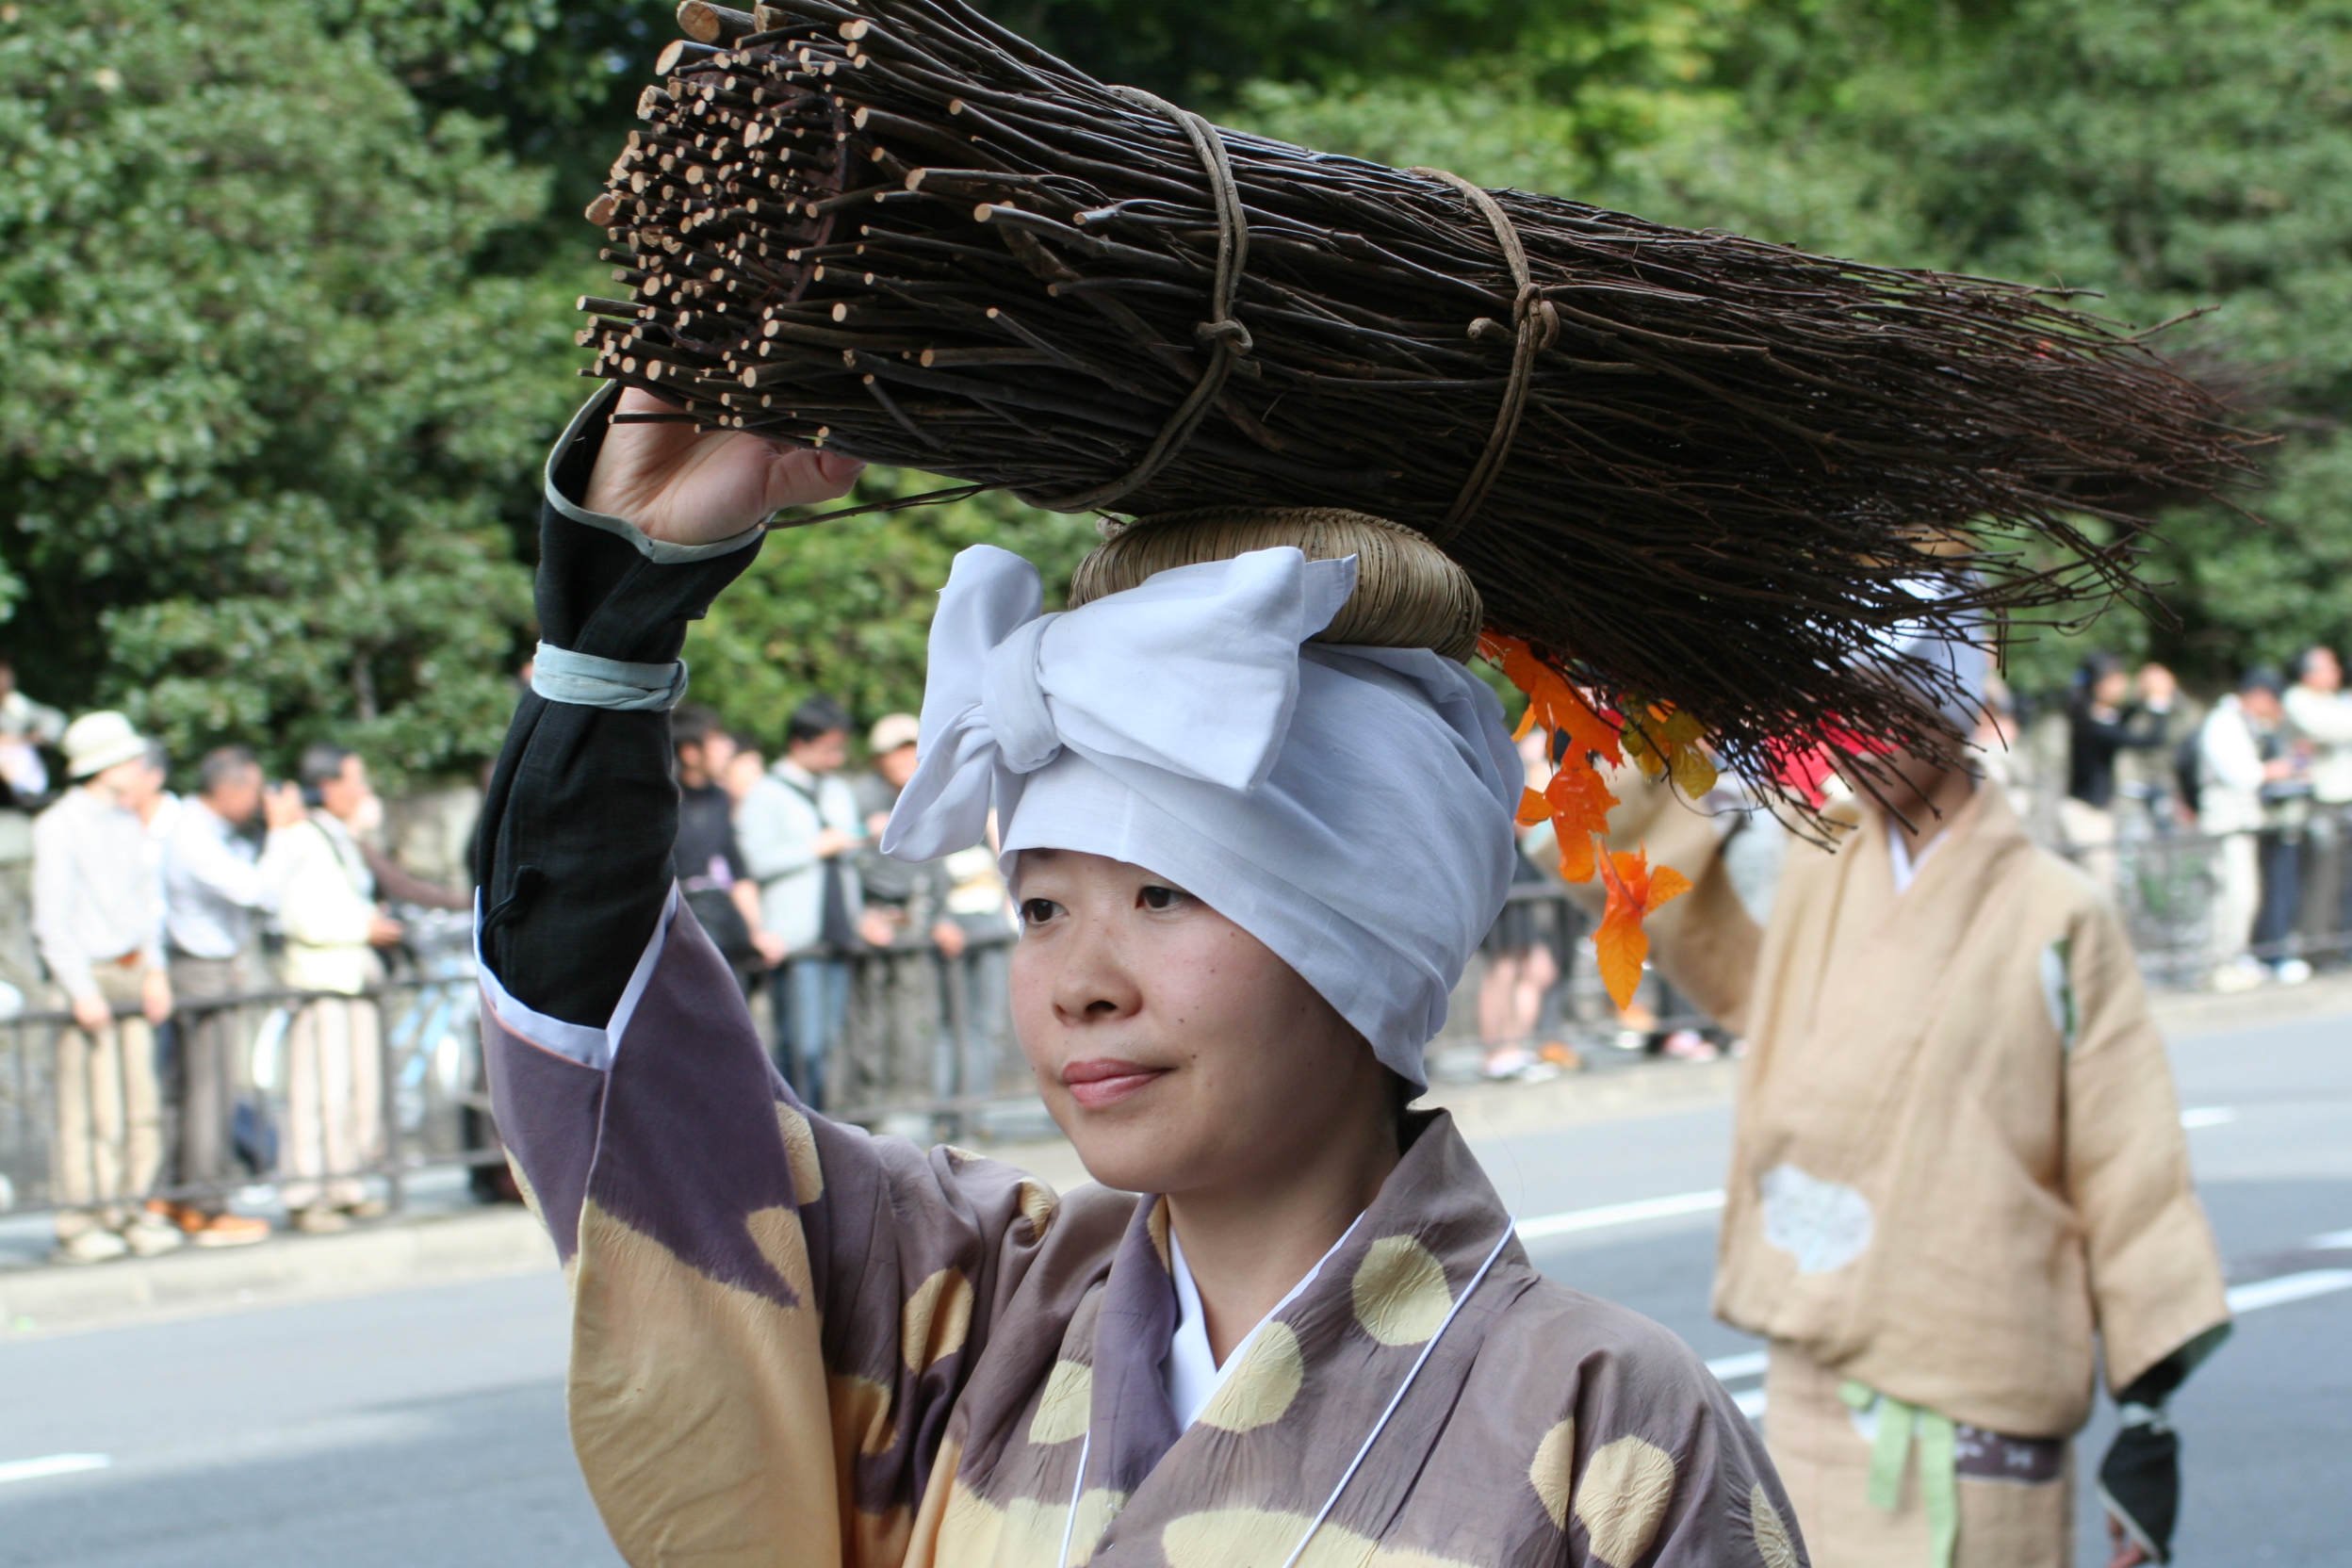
[(1552, 702), (1579, 803), (1634, 892)]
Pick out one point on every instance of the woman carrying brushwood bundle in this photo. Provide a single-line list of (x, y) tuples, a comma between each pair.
[(1314, 1341), (1958, 1178)]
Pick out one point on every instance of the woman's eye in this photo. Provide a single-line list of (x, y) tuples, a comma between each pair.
[(1036, 912), (1161, 898)]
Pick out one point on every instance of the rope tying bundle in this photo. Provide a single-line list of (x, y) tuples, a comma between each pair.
[(1535, 325), (1227, 339)]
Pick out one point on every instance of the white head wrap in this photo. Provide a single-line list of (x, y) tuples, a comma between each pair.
[(1348, 807)]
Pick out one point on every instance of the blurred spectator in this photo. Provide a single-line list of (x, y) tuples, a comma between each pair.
[(334, 1079), (707, 862), (2319, 717), (1521, 958), (2102, 722), (2240, 758), (894, 1048), (743, 771), (796, 828), (98, 918), (25, 726), (979, 983), (213, 886), (2168, 722)]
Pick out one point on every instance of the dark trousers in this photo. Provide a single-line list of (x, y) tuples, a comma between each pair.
[(2282, 894), (206, 1081)]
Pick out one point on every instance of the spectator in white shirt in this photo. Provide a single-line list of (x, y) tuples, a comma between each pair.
[(213, 886), (2319, 715), (335, 1078), (2233, 769), (98, 921), (797, 830)]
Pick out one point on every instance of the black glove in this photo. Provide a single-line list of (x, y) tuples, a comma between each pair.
[(2140, 1480)]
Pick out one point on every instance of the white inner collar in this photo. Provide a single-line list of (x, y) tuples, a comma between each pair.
[(1190, 1373), (1906, 865)]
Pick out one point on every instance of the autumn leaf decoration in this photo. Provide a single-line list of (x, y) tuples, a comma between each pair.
[(1661, 741)]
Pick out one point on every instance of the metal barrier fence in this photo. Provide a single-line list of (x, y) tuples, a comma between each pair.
[(2202, 908), (927, 1047)]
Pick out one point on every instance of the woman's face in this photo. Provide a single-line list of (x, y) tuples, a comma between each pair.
[(1175, 1050)]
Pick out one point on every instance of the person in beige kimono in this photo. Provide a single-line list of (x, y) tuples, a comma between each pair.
[(1315, 1340), (1959, 1177)]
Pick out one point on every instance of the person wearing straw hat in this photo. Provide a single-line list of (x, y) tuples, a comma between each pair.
[(98, 922), (1958, 1178), (1315, 1340)]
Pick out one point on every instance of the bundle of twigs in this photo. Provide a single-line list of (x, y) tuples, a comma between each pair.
[(1702, 471)]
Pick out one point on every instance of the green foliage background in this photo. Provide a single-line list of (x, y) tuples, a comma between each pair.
[(285, 284)]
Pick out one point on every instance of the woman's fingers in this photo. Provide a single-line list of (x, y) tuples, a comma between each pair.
[(686, 486)]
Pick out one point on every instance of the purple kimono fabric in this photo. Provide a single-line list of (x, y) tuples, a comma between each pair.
[(797, 1343)]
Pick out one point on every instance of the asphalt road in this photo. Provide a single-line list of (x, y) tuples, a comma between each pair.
[(424, 1429)]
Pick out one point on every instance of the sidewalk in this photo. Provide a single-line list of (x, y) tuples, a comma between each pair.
[(438, 1243)]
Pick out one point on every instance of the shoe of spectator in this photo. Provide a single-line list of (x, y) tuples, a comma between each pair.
[(149, 1234), (1561, 1055), (368, 1208), (319, 1220), (2290, 972), (92, 1246), (1508, 1062), (2240, 974), (229, 1230)]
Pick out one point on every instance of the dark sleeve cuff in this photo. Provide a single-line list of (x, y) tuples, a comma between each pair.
[(581, 812)]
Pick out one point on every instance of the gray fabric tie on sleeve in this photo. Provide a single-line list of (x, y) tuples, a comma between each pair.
[(585, 680)]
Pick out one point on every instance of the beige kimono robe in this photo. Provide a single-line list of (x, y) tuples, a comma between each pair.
[(1958, 1173)]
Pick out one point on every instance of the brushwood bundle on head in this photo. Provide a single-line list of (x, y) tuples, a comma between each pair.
[(1704, 477)]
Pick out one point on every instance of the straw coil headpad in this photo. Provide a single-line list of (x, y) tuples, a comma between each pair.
[(1408, 593)]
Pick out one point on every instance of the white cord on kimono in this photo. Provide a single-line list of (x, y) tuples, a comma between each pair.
[(1397, 1399), (1077, 1489)]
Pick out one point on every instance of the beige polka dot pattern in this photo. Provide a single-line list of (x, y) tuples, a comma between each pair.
[(1553, 1471), (800, 1153), (1773, 1543), (1038, 1205), (1064, 1406), (938, 1317), (1623, 1498), (1263, 1386), (1401, 1292)]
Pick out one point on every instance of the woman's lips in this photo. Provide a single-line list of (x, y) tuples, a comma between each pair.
[(1106, 1080)]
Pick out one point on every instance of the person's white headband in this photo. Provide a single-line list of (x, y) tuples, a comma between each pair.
[(1350, 807)]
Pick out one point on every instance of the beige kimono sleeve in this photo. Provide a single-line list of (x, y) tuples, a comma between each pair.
[(2156, 1279)]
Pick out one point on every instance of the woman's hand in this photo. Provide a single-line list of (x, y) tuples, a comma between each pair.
[(686, 488)]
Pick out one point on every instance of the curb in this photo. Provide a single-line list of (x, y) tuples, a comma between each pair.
[(62, 1299)]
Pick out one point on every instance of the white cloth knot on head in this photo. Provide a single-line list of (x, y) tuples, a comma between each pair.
[(1347, 806), (1195, 672)]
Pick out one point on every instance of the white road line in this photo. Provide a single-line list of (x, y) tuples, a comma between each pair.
[(1750, 1402), (1733, 1368), (2330, 1242), (2207, 1116), (52, 1465), (1620, 1214), (2290, 1288)]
